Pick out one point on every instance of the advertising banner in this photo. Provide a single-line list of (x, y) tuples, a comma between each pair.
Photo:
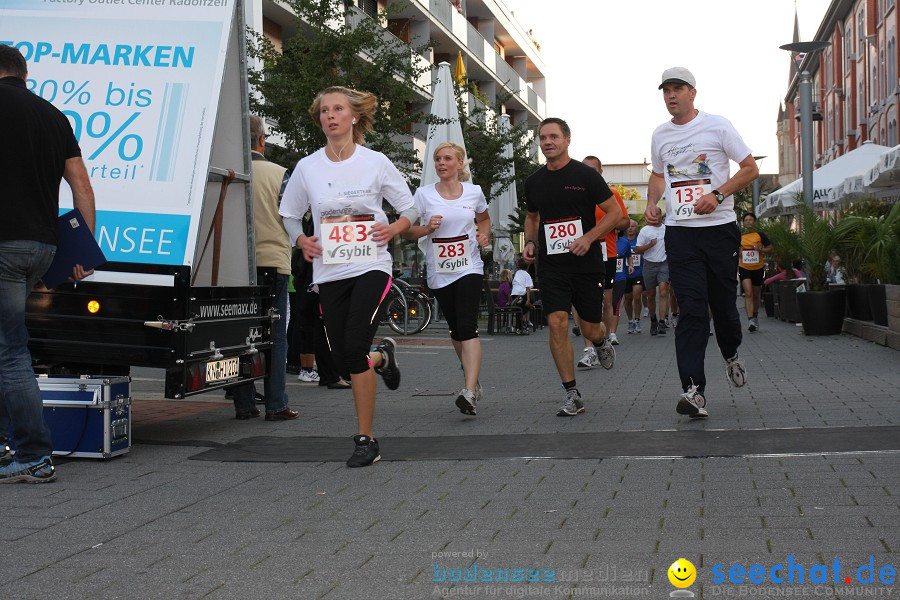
[(139, 81)]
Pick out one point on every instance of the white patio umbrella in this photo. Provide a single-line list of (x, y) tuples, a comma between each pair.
[(852, 188), (829, 175), (886, 172), (502, 206), (443, 105)]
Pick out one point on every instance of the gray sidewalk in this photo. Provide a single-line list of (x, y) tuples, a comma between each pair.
[(156, 523)]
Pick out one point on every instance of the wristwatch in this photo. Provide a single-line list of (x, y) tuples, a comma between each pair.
[(719, 196)]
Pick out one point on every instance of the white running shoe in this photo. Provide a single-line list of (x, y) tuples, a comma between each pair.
[(606, 355), (589, 359), (613, 339), (637, 326), (308, 376), (692, 403), (645, 313), (630, 327), (735, 371), (573, 404)]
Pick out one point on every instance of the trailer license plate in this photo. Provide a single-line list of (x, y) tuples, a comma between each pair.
[(219, 370)]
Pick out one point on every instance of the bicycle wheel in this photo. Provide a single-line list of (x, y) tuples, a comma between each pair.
[(423, 303), (409, 319)]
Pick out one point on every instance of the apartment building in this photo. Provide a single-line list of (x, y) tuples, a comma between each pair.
[(499, 56), (856, 91)]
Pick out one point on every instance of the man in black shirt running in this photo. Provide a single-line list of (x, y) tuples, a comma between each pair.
[(563, 235)]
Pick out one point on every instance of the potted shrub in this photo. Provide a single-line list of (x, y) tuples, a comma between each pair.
[(785, 253), (851, 234), (821, 309)]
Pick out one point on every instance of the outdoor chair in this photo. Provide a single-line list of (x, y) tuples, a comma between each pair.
[(502, 318)]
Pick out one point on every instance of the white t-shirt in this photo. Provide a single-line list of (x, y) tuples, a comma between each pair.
[(697, 152), (446, 262), (350, 193), (658, 252), (521, 280)]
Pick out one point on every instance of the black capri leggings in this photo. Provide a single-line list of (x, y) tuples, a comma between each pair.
[(460, 302), (351, 311)]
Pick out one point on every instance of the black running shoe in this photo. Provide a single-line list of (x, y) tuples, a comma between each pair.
[(365, 453), (389, 370)]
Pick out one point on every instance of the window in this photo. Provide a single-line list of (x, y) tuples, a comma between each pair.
[(882, 81), (891, 64), (848, 49), (370, 7)]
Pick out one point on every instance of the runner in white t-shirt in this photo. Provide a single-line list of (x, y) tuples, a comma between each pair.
[(344, 184), (690, 157), (450, 210)]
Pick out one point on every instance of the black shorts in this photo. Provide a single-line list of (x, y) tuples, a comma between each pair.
[(562, 291), (755, 276), (633, 281), (610, 273)]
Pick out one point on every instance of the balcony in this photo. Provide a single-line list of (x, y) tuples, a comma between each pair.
[(355, 16)]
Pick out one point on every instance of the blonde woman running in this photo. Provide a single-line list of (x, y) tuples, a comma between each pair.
[(343, 184), (456, 222)]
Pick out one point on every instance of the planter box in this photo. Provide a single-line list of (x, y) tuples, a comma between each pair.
[(822, 313), (892, 300), (858, 302), (878, 303), (786, 292)]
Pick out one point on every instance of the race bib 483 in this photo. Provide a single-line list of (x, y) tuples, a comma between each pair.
[(348, 239)]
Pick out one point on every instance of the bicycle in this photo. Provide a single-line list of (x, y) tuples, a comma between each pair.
[(408, 308)]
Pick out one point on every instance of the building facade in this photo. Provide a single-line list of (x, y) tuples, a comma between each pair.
[(500, 58), (856, 90)]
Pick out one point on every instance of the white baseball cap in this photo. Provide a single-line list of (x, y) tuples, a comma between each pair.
[(678, 75)]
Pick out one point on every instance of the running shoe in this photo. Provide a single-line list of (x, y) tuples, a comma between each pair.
[(672, 321), (479, 391), (573, 404), (365, 453), (661, 328), (308, 376), (606, 355), (5, 455), (735, 371), (630, 327), (645, 312), (753, 324), (466, 401), (637, 326), (389, 370), (36, 471), (589, 359), (576, 331), (654, 327), (692, 403), (613, 339)]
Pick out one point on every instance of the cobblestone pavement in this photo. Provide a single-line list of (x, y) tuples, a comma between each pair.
[(156, 524)]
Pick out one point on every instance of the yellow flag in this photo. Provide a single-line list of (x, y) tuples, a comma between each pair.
[(460, 72)]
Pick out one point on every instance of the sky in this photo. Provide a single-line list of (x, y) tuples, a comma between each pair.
[(605, 59)]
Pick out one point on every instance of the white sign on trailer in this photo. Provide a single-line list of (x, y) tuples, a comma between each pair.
[(140, 83)]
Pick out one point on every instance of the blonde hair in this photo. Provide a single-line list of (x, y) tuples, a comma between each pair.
[(362, 104), (506, 275), (460, 152)]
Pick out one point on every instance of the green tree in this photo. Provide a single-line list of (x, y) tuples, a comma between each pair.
[(485, 142), (339, 46)]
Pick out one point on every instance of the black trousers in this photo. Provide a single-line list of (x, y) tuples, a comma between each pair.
[(703, 263), (459, 302)]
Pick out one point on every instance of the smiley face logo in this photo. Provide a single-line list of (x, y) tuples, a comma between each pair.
[(682, 573)]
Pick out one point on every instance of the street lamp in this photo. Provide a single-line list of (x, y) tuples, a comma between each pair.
[(758, 159), (804, 90)]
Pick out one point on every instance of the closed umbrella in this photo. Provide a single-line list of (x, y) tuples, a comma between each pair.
[(503, 205)]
